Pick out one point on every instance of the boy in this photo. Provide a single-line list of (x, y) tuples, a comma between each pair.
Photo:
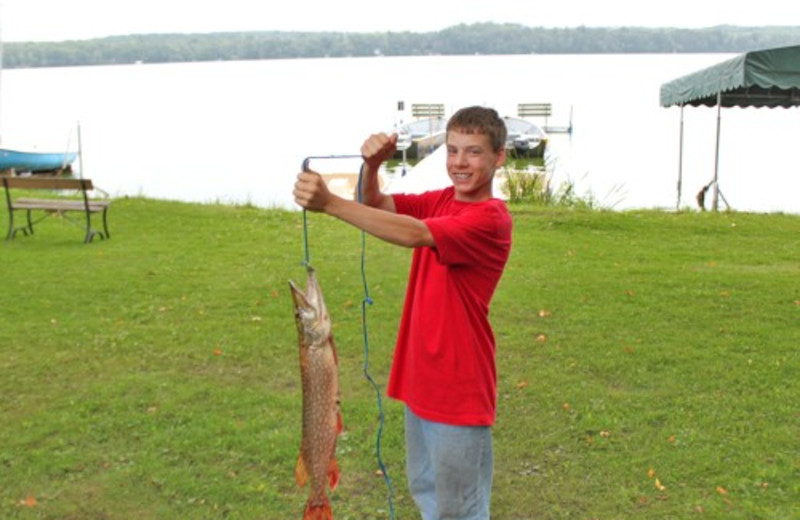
[(444, 361)]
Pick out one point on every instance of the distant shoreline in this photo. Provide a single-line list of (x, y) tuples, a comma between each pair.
[(483, 39)]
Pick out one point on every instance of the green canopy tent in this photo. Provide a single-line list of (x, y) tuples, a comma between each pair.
[(766, 78)]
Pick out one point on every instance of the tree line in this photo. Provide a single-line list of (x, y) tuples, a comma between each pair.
[(484, 38)]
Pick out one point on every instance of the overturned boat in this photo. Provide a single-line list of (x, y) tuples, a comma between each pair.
[(35, 162), (524, 139)]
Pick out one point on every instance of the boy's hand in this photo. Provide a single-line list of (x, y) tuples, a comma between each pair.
[(311, 192), (378, 148)]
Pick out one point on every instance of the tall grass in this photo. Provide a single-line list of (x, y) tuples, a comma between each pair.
[(530, 182), (647, 366)]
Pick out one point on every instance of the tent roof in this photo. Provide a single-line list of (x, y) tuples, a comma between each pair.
[(766, 78)]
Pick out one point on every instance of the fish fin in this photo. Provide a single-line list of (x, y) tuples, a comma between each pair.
[(318, 511), (300, 472), (339, 422), (333, 350), (333, 474)]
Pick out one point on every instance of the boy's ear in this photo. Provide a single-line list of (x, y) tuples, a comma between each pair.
[(501, 158)]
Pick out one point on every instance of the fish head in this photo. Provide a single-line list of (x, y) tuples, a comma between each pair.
[(310, 312)]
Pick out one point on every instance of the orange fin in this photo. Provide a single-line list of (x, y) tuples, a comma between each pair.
[(333, 474), (333, 348), (300, 472), (318, 512), (339, 422)]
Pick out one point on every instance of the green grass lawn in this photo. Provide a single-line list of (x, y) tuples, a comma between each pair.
[(648, 366)]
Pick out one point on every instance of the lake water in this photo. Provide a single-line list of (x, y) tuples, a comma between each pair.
[(238, 131)]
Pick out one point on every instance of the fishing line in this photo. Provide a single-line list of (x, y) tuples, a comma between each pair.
[(367, 300)]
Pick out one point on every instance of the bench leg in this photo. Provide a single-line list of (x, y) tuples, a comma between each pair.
[(90, 233), (10, 224), (105, 223), (30, 223), (27, 229)]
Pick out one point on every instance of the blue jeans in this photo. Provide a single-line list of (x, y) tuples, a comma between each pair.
[(449, 469)]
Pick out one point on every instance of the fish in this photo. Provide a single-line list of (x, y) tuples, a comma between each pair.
[(322, 414)]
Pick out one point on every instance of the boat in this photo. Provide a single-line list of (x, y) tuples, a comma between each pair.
[(35, 162), (525, 139), (420, 137)]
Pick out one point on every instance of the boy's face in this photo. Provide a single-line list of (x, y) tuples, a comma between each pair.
[(471, 163)]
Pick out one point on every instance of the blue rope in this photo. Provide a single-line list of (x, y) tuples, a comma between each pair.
[(368, 301), (306, 255)]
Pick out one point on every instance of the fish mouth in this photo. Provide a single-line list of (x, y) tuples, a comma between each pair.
[(308, 301), (299, 296)]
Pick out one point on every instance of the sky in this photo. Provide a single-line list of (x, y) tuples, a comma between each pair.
[(57, 20)]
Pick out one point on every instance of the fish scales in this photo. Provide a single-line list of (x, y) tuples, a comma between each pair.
[(322, 417)]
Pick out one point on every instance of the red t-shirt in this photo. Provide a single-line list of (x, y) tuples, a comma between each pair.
[(444, 361)]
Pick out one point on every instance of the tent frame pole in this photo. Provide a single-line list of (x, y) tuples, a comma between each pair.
[(715, 206), (680, 163)]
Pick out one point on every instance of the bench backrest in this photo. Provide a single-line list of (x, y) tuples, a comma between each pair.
[(427, 110), (47, 183), (534, 109)]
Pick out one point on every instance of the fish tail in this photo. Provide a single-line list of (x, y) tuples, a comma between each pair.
[(318, 511)]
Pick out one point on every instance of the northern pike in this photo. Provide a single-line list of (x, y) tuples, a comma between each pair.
[(322, 416)]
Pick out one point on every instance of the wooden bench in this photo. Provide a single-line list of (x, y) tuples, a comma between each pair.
[(423, 110), (54, 205), (535, 110)]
